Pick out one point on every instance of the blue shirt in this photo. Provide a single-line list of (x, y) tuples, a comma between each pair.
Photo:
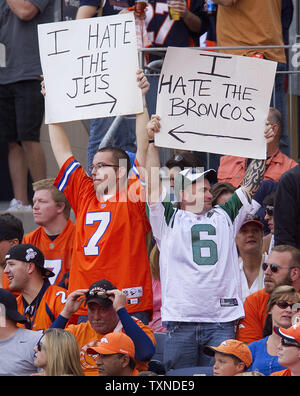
[(262, 361)]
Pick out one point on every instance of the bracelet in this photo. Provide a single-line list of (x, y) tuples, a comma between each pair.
[(151, 141)]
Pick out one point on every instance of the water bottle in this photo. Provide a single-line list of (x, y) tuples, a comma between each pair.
[(211, 7)]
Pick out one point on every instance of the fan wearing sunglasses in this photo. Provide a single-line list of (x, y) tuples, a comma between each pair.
[(288, 351), (281, 268), (57, 354), (283, 304)]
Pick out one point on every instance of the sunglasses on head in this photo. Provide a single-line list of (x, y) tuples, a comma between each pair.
[(282, 304), (288, 343), (273, 267), (269, 210)]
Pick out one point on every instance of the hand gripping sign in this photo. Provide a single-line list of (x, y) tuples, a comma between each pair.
[(89, 67), (214, 102)]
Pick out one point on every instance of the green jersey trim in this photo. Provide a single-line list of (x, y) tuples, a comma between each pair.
[(232, 206), (169, 211)]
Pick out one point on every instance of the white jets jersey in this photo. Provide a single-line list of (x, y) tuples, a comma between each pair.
[(199, 268)]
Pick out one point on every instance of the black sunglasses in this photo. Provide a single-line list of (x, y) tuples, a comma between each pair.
[(288, 343), (39, 346), (273, 267), (284, 304), (269, 211)]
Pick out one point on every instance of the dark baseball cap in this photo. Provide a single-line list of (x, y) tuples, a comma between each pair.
[(253, 219), (97, 294), (11, 309), (29, 254)]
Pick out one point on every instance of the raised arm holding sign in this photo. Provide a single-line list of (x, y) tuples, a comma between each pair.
[(110, 211), (198, 257)]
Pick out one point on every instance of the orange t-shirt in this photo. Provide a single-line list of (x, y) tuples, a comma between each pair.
[(58, 253), (110, 238), (283, 373), (251, 326), (251, 23), (47, 309), (232, 169), (87, 337)]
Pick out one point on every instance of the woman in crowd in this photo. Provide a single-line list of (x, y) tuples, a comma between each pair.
[(280, 309), (57, 354)]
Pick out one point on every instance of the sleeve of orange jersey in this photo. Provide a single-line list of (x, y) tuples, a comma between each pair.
[(59, 299), (250, 328), (71, 186)]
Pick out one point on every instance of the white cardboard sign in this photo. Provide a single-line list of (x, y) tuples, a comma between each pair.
[(89, 67), (214, 102)]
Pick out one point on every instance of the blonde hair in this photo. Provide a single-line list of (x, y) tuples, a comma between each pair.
[(284, 292), (57, 196), (63, 358)]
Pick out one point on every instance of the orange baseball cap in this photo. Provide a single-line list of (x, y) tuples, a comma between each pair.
[(291, 334), (232, 347), (114, 343)]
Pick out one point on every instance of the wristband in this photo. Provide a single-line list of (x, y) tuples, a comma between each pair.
[(151, 141)]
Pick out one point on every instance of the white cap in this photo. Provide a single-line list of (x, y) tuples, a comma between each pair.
[(191, 175)]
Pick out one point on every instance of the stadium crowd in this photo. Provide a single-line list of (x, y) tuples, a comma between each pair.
[(200, 265)]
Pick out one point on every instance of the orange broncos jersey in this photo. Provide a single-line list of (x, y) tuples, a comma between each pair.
[(58, 253), (47, 308), (5, 285), (110, 238), (252, 325), (87, 337)]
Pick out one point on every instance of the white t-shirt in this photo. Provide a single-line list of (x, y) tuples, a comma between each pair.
[(258, 284), (199, 268)]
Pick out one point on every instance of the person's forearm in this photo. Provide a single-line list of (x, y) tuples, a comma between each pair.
[(192, 21), (60, 144), (23, 9), (144, 348), (59, 323), (141, 138), (253, 178), (153, 174)]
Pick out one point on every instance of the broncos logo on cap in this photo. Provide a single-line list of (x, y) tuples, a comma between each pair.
[(30, 254)]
